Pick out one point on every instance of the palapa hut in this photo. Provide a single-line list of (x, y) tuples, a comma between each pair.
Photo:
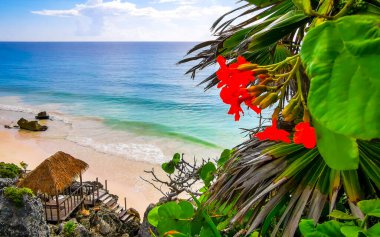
[(51, 179)]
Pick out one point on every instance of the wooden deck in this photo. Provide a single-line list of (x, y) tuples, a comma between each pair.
[(66, 207)]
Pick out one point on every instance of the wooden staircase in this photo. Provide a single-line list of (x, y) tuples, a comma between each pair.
[(105, 199)]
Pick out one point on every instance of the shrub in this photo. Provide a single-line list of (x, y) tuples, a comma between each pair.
[(16, 194), (69, 228), (9, 170)]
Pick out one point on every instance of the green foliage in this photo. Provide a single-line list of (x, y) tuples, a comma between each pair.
[(370, 207), (350, 227), (224, 157), (345, 152), (207, 173), (9, 170), (179, 219), (169, 167), (16, 194), (69, 228)]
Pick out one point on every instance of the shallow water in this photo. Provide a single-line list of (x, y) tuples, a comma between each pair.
[(121, 98)]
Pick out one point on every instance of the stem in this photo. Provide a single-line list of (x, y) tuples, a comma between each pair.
[(207, 217), (344, 9), (364, 222)]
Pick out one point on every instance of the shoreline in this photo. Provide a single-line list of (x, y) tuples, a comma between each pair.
[(123, 176), (112, 154)]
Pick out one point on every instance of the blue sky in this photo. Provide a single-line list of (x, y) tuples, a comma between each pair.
[(109, 20)]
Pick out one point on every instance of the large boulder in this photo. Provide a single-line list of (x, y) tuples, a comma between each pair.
[(27, 220), (31, 125), (42, 115)]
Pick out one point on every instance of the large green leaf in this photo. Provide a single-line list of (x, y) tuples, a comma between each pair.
[(342, 215), (370, 207), (351, 231), (339, 152), (374, 231), (326, 229), (168, 167), (224, 157), (173, 216), (153, 216), (342, 61)]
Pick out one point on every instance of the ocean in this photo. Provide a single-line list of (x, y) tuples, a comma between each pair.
[(120, 97)]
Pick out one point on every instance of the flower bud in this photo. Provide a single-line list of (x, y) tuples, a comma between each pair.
[(294, 114), (260, 71), (270, 99), (257, 88), (247, 66), (262, 76), (289, 107), (259, 99)]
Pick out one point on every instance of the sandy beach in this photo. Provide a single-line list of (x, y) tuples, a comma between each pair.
[(123, 176)]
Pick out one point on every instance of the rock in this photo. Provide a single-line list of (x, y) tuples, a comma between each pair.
[(81, 231), (5, 182), (31, 125), (7, 126), (104, 228), (145, 226), (42, 115), (125, 235), (25, 221)]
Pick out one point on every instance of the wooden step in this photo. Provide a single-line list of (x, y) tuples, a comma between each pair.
[(109, 198), (104, 197), (118, 210), (114, 206), (110, 202), (122, 213), (125, 217)]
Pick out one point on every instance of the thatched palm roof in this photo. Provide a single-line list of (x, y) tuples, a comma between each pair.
[(54, 174)]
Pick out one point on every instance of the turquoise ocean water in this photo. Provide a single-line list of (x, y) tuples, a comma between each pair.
[(134, 87)]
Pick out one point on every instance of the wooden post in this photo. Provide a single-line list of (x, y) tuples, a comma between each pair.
[(58, 209), (81, 189), (125, 203), (97, 187), (105, 182)]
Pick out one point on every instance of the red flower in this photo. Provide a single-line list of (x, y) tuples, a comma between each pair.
[(273, 133), (305, 134), (232, 81)]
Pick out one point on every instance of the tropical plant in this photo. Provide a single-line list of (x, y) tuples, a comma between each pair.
[(69, 228), (314, 63), (9, 170), (346, 225), (16, 195)]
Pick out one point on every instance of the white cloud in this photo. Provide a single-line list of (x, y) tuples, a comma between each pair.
[(122, 20)]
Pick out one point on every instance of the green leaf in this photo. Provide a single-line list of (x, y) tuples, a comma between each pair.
[(326, 229), (350, 231), (339, 152), (341, 215), (304, 5), (279, 28), (370, 207), (224, 157), (207, 173), (153, 216), (342, 61), (168, 167), (187, 209), (374, 231), (176, 158), (171, 217), (206, 232)]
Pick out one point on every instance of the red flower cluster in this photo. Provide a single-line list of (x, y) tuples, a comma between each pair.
[(233, 83), (305, 134), (273, 133)]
